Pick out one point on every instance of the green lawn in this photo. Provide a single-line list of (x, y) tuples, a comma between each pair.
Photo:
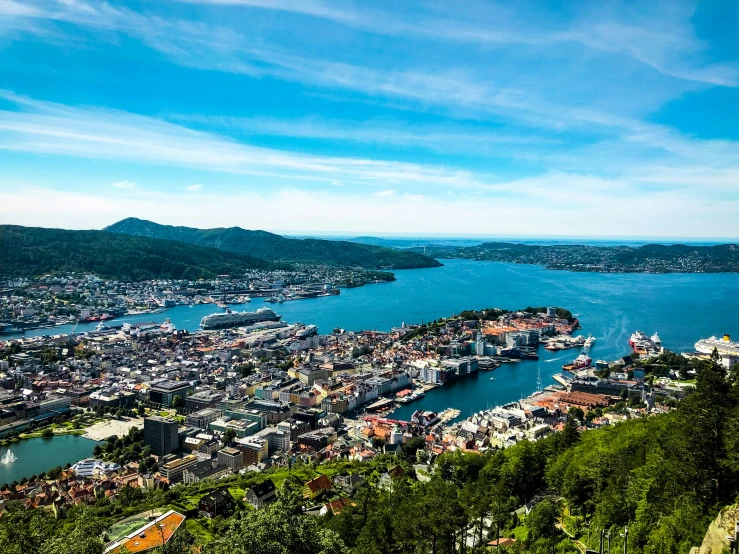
[(197, 529)]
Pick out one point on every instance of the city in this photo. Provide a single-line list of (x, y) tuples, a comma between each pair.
[(346, 277)]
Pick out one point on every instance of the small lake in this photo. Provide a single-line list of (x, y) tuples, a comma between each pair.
[(36, 455)]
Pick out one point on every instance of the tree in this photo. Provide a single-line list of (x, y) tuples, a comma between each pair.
[(229, 435), (279, 529), (177, 402), (47, 433), (540, 522), (577, 413)]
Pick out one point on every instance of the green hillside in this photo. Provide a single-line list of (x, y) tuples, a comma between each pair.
[(32, 251), (269, 246)]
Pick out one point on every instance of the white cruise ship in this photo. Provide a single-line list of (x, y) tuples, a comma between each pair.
[(238, 319), (724, 346)]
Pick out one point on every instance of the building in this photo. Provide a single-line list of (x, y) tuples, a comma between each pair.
[(164, 392), (202, 400), (153, 534), (161, 435), (261, 494), (207, 469), (217, 503), (308, 375), (316, 486), (173, 470), (253, 450), (55, 404), (91, 466), (202, 418), (232, 458), (318, 439)]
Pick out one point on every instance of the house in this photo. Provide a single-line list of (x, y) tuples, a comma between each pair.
[(349, 483), (316, 486), (216, 503), (335, 506), (261, 494)]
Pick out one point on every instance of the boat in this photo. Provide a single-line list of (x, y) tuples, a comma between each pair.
[(645, 346), (8, 458), (724, 346), (168, 326), (492, 378), (589, 341), (238, 319), (581, 362), (222, 305)]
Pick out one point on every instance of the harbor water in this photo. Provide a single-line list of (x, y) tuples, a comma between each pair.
[(681, 307)]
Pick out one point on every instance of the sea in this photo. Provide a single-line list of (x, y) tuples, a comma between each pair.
[(682, 308)]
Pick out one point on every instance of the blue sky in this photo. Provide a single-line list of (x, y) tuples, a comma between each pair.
[(478, 118)]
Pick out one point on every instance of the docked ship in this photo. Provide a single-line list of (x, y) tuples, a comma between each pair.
[(644, 345), (724, 346), (581, 362), (238, 319)]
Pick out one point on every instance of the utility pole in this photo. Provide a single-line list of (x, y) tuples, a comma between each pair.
[(608, 536), (602, 534)]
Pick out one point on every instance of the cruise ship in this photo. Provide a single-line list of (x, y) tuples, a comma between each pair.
[(238, 319), (724, 346)]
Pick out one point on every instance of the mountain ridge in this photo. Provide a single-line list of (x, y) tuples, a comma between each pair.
[(273, 247), (34, 251)]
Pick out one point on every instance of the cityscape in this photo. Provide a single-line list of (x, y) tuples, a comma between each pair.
[(340, 277)]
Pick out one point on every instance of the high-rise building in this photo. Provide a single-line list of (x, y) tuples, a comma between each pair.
[(161, 435)]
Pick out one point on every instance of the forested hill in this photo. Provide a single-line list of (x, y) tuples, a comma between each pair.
[(33, 251), (273, 247), (650, 258)]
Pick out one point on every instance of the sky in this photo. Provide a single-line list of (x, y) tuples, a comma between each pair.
[(577, 119)]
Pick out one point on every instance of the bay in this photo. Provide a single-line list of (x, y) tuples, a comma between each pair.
[(34, 456), (681, 307)]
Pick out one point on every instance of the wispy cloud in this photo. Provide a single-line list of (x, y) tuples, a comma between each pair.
[(662, 39), (194, 188), (108, 134), (387, 192)]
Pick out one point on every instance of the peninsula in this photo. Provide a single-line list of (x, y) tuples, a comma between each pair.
[(650, 258)]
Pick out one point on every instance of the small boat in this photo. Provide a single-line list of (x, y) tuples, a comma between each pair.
[(589, 341), (492, 378), (581, 362)]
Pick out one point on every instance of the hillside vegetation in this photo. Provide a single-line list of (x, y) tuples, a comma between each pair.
[(269, 246), (34, 251)]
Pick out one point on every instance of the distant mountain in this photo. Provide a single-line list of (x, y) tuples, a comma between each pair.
[(33, 251), (273, 247)]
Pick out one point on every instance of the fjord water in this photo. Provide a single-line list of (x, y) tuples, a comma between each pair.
[(681, 307)]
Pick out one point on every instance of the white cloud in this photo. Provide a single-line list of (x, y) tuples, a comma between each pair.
[(124, 185), (385, 193), (194, 188), (293, 209)]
